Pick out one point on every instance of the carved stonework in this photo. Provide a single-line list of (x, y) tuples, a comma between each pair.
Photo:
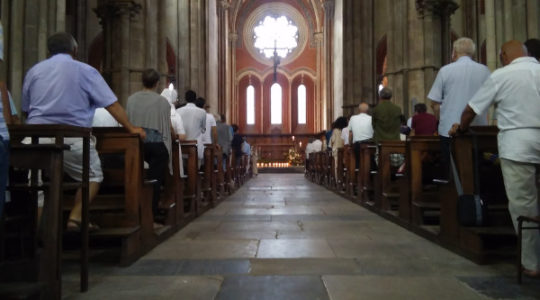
[(318, 37), (436, 7), (329, 8), (109, 9)]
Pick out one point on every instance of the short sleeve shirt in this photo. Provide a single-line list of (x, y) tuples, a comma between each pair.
[(360, 127), (424, 124), (61, 90), (454, 86), (515, 89), (386, 121)]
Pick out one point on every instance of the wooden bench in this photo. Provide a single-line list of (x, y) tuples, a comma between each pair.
[(424, 195), (123, 207), (388, 191), (49, 157), (365, 179), (497, 238), (192, 193)]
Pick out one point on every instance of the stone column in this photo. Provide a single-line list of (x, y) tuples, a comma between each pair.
[(223, 7), (319, 83), (233, 108), (212, 61), (116, 17), (491, 35), (328, 103), (337, 72)]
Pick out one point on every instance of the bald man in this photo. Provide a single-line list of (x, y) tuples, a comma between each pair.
[(360, 129), (515, 90)]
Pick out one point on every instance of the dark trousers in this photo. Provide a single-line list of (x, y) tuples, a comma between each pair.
[(4, 168), (356, 148), (445, 157), (157, 157)]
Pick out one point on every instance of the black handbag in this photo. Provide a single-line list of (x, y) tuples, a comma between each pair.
[(471, 209)]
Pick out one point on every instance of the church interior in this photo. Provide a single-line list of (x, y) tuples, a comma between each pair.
[(278, 221)]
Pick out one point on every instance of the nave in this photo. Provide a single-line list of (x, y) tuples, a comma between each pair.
[(283, 237)]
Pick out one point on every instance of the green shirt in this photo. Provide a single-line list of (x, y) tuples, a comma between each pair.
[(386, 121)]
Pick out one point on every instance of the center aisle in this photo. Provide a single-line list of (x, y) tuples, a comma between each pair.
[(283, 237)]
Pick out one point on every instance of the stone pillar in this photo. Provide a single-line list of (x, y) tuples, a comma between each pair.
[(491, 35), (212, 61), (116, 18), (328, 103), (233, 108), (319, 85), (337, 72), (222, 10)]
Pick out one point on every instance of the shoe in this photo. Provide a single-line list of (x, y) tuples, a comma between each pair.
[(75, 226), (531, 273)]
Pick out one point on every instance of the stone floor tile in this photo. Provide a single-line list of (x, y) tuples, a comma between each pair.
[(150, 287), (202, 249), (304, 266), (294, 249), (342, 287), (272, 288)]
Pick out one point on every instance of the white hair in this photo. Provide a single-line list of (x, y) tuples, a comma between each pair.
[(464, 46)]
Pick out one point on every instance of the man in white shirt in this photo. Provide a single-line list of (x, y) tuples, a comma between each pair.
[(194, 118), (360, 130), (454, 86), (515, 90), (210, 134)]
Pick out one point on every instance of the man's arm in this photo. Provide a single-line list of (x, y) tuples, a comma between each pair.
[(118, 112), (5, 97), (436, 107), (466, 119)]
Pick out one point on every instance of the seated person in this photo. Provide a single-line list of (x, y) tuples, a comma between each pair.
[(152, 112), (423, 123), (62, 90)]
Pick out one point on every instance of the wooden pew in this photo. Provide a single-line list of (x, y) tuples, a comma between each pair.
[(340, 173), (208, 181), (123, 207), (365, 180), (220, 174), (388, 193), (349, 163), (45, 267), (497, 238), (191, 197), (424, 196)]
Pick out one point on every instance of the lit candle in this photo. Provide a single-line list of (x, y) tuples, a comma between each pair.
[(293, 138), (300, 144)]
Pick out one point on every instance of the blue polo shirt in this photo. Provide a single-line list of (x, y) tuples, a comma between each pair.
[(61, 90)]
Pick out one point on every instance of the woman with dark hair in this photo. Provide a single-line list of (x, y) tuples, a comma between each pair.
[(336, 141)]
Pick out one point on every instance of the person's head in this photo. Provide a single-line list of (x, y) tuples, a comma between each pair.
[(340, 123), (223, 119), (311, 140), (363, 108), (207, 107), (191, 96), (322, 135), (511, 50), (200, 102), (385, 94), (234, 128), (420, 108), (533, 48), (62, 43), (150, 78), (463, 47), (217, 117), (170, 95)]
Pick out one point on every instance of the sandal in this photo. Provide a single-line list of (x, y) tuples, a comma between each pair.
[(75, 226)]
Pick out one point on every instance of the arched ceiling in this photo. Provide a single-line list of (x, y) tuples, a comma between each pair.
[(313, 9)]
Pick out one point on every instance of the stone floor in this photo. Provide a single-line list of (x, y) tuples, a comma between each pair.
[(282, 237)]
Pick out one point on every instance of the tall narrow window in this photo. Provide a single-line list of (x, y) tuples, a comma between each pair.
[(250, 109), (302, 104), (275, 104)]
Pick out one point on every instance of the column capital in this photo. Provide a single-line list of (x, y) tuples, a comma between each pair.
[(329, 6), (225, 4), (233, 37), (107, 9), (442, 8), (318, 37)]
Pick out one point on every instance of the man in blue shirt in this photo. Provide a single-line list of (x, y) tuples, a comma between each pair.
[(5, 117), (61, 90)]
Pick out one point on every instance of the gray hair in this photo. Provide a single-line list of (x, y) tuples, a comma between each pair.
[(385, 93), (464, 46), (61, 42)]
